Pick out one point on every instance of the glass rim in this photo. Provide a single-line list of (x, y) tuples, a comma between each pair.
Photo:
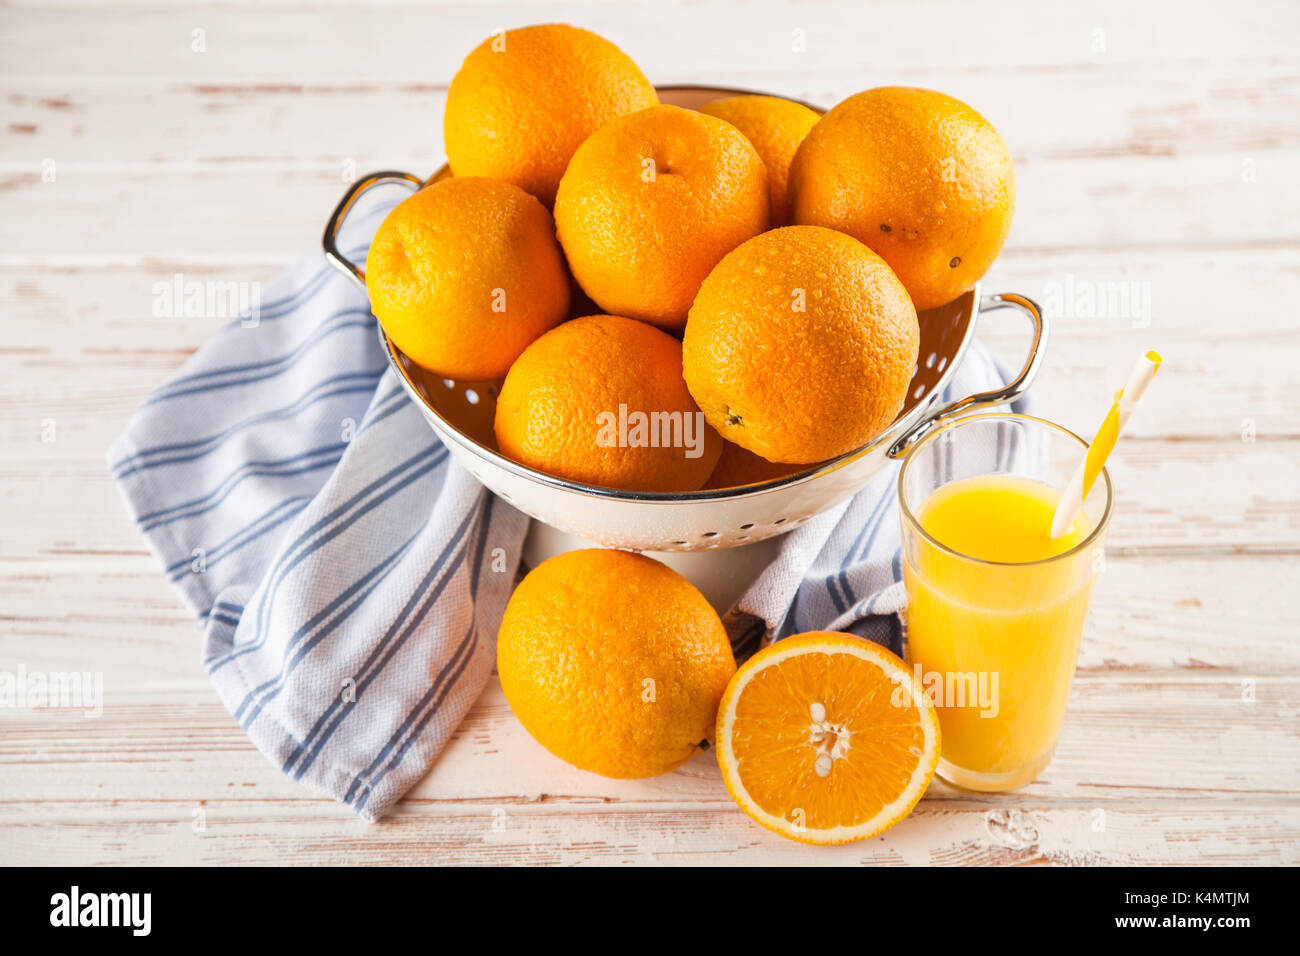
[(912, 522)]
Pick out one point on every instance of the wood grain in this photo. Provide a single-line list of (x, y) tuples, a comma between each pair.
[(270, 832)]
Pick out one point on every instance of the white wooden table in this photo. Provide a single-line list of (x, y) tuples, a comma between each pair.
[(1158, 152)]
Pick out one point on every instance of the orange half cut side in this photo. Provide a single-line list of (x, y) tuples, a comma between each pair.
[(826, 738)]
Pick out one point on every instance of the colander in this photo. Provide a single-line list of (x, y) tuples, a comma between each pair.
[(461, 414)]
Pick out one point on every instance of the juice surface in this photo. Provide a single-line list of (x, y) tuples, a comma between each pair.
[(1004, 518), (1001, 638)]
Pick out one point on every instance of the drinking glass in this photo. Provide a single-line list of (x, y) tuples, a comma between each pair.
[(995, 643)]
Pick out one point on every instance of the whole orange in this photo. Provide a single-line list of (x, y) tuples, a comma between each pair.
[(613, 662), (920, 177), (775, 127), (738, 466), (525, 99), (463, 274), (800, 345), (651, 202), (601, 400)]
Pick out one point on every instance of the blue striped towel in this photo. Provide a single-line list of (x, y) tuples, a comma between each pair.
[(350, 577)]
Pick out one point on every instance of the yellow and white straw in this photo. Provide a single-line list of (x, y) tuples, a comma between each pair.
[(1127, 400)]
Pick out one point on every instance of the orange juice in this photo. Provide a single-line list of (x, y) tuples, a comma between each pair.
[(993, 623)]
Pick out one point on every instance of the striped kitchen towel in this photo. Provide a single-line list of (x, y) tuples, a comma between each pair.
[(350, 578)]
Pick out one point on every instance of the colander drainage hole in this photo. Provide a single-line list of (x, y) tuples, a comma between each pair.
[(920, 390), (746, 527), (929, 360), (942, 363), (779, 521), (471, 396), (680, 544), (709, 534), (449, 383)]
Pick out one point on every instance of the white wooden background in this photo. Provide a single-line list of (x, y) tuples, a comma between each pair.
[(1156, 143)]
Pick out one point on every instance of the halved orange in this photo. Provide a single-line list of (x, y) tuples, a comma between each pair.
[(826, 738)]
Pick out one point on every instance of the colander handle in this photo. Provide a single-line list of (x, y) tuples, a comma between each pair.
[(330, 241), (1007, 393)]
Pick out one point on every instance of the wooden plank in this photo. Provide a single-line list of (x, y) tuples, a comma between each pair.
[(1096, 110), (250, 831), (416, 42), (1142, 739), (1214, 315)]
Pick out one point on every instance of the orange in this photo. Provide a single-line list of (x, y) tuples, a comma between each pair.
[(651, 202), (524, 100), (601, 400), (826, 738), (737, 467), (613, 662), (775, 127), (463, 274), (919, 177), (800, 345)]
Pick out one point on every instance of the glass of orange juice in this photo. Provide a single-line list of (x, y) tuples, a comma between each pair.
[(995, 605)]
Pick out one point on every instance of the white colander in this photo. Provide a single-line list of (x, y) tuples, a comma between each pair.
[(461, 414)]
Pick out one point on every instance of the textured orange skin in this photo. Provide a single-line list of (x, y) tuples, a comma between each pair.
[(922, 164), (445, 261), (806, 385), (639, 248), (547, 412), (828, 643), (582, 635), (737, 466), (519, 114), (775, 127)]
